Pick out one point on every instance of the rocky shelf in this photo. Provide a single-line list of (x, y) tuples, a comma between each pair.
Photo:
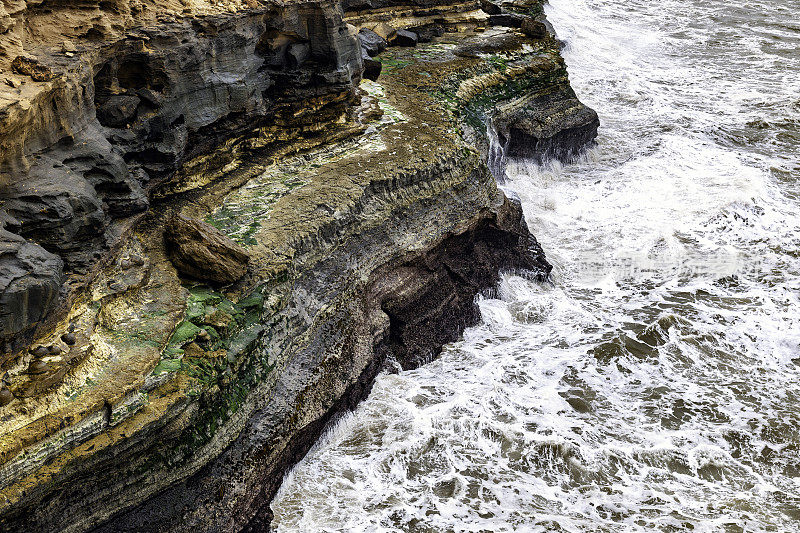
[(215, 234)]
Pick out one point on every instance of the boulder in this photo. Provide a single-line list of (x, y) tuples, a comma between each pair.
[(404, 38), (533, 28), (489, 8), (201, 251), (510, 20), (371, 42), (427, 33), (546, 125), (30, 278), (384, 30), (118, 111), (372, 67)]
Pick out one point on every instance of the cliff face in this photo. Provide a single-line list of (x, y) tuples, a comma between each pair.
[(120, 114), (136, 398)]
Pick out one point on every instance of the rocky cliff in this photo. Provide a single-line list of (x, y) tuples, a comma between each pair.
[(215, 234)]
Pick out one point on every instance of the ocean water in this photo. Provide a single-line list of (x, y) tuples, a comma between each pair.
[(654, 385)]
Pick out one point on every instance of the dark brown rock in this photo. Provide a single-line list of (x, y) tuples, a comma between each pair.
[(533, 28), (404, 38), (489, 8), (510, 20), (372, 68), (38, 367), (428, 32), (547, 125), (200, 250), (371, 42), (118, 111), (31, 67), (5, 397), (39, 351)]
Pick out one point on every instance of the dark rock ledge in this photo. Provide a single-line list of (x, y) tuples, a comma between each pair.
[(141, 398)]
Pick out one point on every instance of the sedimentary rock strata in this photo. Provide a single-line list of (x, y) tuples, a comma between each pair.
[(215, 235)]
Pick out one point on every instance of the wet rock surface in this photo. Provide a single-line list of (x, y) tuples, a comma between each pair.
[(547, 126)]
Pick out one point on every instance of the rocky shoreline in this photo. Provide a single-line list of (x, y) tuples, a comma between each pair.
[(152, 382)]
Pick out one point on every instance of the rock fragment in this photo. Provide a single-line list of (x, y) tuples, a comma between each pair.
[(489, 8), (5, 397), (533, 28), (428, 33), (371, 42), (38, 367), (372, 67), (384, 30), (118, 111), (404, 38), (201, 251), (510, 20), (39, 351), (31, 67)]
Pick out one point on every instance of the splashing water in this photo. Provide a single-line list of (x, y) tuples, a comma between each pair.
[(496, 158), (654, 384)]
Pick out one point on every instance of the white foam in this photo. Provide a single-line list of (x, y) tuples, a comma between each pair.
[(640, 391)]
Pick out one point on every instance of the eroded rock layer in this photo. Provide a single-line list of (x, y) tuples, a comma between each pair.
[(354, 224), (122, 116)]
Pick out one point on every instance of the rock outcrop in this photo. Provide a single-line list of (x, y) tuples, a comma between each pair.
[(135, 397), (201, 251), (30, 280)]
